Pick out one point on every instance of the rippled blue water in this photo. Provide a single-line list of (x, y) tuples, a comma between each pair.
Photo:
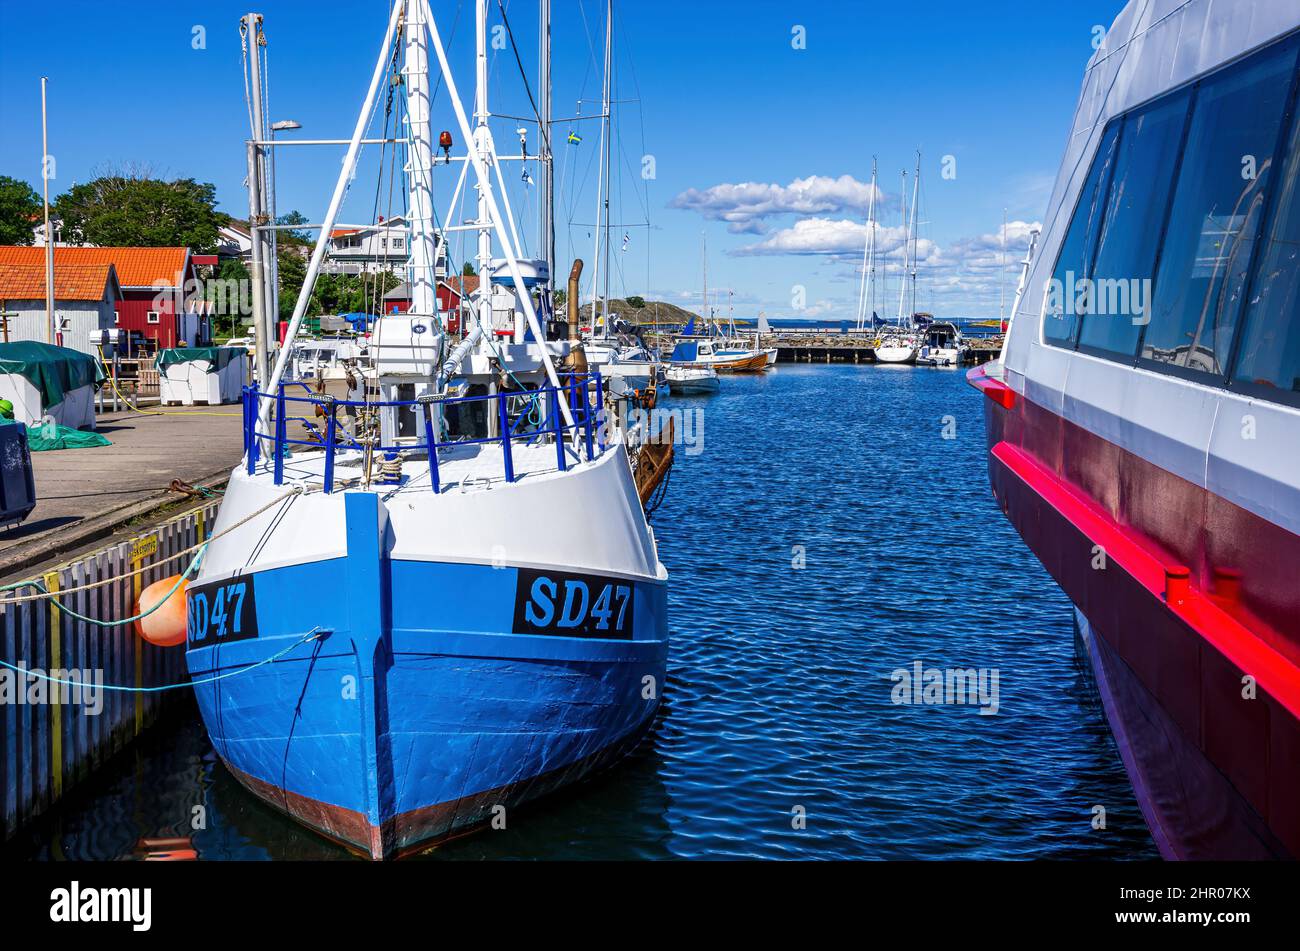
[(779, 703)]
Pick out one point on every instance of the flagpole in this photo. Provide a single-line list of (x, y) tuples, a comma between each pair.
[(49, 237)]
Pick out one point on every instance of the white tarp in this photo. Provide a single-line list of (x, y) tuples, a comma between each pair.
[(76, 411), (194, 381)]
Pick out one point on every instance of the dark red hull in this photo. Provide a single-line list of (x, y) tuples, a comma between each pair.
[(1192, 626)]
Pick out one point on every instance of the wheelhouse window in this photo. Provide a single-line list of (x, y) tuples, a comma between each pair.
[(1270, 341), (151, 317), (1222, 188), (1061, 323), (1121, 277), (1183, 252)]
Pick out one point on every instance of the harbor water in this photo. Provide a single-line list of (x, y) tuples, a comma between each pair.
[(827, 528)]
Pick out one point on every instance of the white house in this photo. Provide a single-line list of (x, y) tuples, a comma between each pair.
[(85, 300), (374, 248)]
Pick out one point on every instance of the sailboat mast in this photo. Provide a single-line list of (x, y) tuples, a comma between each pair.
[(704, 242), (424, 298), (49, 236), (916, 195), (1002, 271), (871, 285), (867, 249), (902, 282)]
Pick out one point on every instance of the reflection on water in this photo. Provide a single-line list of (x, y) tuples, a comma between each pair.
[(778, 709)]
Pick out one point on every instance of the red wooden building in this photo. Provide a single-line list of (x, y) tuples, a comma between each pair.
[(161, 296)]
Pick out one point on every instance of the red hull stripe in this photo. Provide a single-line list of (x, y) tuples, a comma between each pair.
[(1123, 546), (995, 390)]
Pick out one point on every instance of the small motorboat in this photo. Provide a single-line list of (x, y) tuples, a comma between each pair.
[(692, 379)]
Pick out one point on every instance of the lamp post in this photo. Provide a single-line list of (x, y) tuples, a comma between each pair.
[(273, 271)]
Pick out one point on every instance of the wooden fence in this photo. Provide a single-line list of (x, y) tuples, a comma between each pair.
[(50, 738)]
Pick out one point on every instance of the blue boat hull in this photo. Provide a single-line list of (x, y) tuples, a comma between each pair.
[(418, 712)]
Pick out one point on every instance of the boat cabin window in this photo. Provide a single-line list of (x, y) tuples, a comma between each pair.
[(1061, 323), (1117, 300), (468, 420), (1270, 341), (1186, 234), (1222, 190)]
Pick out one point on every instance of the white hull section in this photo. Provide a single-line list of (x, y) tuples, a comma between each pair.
[(475, 519)]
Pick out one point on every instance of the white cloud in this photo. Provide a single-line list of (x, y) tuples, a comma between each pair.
[(746, 206), (841, 239)]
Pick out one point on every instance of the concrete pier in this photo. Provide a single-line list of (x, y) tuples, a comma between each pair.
[(83, 495)]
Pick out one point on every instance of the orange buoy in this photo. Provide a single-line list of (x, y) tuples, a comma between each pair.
[(164, 627)]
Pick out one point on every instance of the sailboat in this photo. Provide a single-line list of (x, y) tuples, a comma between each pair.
[(900, 344), (444, 601), (714, 350)]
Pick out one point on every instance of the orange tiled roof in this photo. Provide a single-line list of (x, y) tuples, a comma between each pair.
[(463, 285), (136, 267), (71, 282)]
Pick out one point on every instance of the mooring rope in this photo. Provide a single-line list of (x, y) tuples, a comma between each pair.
[(314, 633), (54, 599), (297, 490)]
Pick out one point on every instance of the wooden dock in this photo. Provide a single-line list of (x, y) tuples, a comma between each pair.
[(52, 735), (85, 494)]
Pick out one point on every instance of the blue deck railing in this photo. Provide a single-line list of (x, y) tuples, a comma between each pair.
[(538, 418)]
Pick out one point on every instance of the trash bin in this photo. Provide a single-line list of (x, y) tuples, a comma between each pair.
[(17, 487)]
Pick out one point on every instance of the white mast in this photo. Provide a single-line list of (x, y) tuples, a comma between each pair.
[(423, 248), (1002, 271), (602, 189), (916, 190), (49, 235), (868, 250), (704, 243), (902, 281), (547, 159), (483, 146)]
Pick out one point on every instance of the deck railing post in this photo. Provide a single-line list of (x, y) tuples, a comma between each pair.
[(557, 427), (426, 403), (330, 438), (280, 436), (254, 444), (504, 421), (587, 418), (600, 414)]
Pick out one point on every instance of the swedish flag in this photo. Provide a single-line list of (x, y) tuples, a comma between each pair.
[(574, 138)]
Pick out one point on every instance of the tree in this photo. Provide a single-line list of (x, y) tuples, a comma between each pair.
[(636, 303), (20, 206), (468, 270), (558, 297), (295, 235), (229, 293), (291, 268), (137, 211)]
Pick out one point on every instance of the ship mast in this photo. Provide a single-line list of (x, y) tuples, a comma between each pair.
[(546, 159), (423, 249)]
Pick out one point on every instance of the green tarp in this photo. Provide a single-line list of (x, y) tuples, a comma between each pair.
[(218, 357), (52, 370), (53, 436), (44, 438)]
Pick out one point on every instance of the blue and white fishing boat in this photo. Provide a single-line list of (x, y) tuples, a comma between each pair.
[(439, 599)]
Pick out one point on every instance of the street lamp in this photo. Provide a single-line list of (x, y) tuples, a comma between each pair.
[(273, 271)]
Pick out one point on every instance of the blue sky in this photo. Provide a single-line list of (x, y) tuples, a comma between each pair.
[(751, 137)]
